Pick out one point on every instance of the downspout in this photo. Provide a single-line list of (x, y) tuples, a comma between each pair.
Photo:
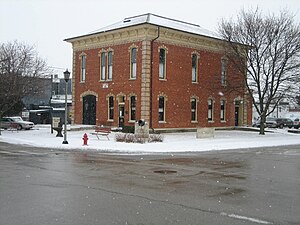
[(151, 76)]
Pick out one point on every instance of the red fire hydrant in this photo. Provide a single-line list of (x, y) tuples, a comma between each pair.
[(85, 139)]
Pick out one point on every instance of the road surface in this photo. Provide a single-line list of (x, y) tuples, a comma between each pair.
[(50, 186)]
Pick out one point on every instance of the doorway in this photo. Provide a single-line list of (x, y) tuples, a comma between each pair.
[(236, 115), (89, 110), (238, 112), (121, 115)]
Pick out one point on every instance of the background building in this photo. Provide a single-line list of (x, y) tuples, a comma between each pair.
[(40, 108)]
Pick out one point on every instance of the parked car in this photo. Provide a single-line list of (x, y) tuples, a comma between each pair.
[(15, 122), (276, 123), (270, 122), (296, 123), (284, 122)]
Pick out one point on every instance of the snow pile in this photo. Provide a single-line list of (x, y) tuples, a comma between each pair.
[(173, 142)]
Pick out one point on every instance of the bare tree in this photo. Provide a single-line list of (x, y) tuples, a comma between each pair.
[(20, 71), (268, 48)]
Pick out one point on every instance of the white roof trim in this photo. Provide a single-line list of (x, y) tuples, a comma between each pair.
[(158, 21)]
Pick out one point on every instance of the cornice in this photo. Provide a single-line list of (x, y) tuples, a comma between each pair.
[(146, 32)]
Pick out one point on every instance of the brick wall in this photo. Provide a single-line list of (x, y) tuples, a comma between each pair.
[(178, 86)]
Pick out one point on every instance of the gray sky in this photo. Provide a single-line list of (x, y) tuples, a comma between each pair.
[(46, 23)]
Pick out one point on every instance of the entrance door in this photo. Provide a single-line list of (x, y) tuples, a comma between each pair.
[(89, 110), (121, 115)]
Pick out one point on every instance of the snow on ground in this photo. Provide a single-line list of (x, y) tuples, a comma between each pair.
[(41, 136)]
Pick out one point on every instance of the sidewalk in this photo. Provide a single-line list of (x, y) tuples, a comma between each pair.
[(41, 136)]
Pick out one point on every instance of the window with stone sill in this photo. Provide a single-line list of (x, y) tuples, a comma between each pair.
[(193, 110), (83, 68), (162, 63), (210, 110), (132, 109), (222, 110), (133, 53), (111, 108), (161, 109)]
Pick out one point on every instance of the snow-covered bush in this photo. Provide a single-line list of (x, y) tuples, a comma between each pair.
[(135, 138)]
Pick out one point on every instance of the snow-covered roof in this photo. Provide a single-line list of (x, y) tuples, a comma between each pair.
[(157, 21)]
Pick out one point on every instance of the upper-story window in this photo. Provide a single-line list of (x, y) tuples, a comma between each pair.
[(194, 68), (83, 68), (110, 65), (106, 65), (223, 71), (162, 63), (133, 63), (103, 66)]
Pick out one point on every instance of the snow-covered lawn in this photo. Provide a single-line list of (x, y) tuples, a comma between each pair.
[(173, 142)]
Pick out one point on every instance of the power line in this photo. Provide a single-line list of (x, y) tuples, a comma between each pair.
[(58, 68)]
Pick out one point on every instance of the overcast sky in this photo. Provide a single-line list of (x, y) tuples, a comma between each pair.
[(46, 23)]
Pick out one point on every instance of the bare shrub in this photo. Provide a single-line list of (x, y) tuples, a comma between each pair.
[(156, 138), (134, 138), (129, 138), (120, 137)]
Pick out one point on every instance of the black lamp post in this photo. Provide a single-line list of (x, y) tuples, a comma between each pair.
[(66, 77)]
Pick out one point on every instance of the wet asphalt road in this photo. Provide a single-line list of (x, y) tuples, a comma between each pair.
[(250, 186)]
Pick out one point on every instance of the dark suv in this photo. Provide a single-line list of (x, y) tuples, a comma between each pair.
[(284, 122), (296, 123)]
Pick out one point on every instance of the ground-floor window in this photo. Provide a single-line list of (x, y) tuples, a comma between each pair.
[(210, 110), (111, 107), (193, 109), (132, 108), (222, 112), (161, 109)]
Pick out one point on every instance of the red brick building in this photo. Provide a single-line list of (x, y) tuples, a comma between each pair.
[(172, 74)]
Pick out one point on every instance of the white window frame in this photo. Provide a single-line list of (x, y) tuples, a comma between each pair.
[(110, 108), (109, 65), (102, 66), (162, 110), (223, 110), (133, 64), (82, 68), (131, 108), (193, 99), (162, 65), (195, 67), (210, 112)]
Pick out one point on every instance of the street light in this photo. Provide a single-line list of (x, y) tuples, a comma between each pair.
[(66, 77)]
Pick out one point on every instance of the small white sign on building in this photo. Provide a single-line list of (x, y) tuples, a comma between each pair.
[(55, 121), (105, 85)]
